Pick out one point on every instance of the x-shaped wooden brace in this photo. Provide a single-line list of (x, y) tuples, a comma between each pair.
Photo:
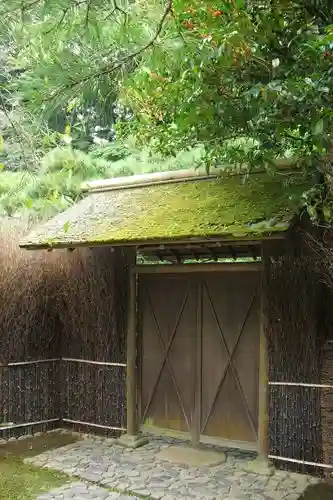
[(230, 363), (166, 348)]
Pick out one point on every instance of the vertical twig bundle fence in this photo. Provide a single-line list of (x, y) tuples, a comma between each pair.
[(296, 339), (58, 311), (29, 333), (94, 340)]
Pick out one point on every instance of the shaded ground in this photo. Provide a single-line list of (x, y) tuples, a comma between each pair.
[(19, 481), (321, 491)]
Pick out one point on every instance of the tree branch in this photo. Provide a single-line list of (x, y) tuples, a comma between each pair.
[(121, 10), (12, 124), (116, 8), (21, 8), (64, 14), (111, 69), (56, 26), (86, 22)]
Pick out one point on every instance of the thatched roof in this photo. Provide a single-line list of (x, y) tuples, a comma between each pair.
[(190, 210)]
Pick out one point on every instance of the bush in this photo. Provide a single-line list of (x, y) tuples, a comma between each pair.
[(53, 188), (57, 184)]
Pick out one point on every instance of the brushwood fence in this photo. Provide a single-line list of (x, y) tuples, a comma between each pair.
[(87, 395), (297, 426), (29, 396), (297, 327), (93, 394), (57, 307)]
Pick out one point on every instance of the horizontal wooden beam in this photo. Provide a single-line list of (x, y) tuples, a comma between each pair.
[(91, 362), (149, 244), (217, 242), (196, 268), (29, 424), (91, 424)]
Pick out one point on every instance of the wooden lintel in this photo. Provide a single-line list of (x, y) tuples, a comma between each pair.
[(195, 268), (209, 242)]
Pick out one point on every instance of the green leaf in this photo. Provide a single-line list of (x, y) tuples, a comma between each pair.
[(71, 106), (318, 127), (66, 226), (28, 203)]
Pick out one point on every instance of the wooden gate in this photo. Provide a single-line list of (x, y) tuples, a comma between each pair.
[(199, 354)]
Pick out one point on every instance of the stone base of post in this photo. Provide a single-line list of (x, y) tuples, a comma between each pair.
[(129, 441), (261, 466)]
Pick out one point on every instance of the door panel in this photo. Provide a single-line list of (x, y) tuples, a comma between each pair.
[(230, 356), (168, 351), (221, 351)]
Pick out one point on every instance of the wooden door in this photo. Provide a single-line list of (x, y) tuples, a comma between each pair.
[(230, 355), (200, 353), (168, 325)]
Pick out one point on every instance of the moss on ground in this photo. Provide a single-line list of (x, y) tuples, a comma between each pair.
[(20, 481)]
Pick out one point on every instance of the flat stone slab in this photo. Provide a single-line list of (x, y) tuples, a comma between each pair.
[(192, 457)]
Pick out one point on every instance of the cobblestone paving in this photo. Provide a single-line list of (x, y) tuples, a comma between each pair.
[(139, 472), (84, 491)]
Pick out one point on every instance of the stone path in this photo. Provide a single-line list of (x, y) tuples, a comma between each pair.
[(139, 472), (83, 491)]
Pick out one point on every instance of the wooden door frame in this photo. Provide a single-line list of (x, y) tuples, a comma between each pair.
[(262, 442), (196, 424), (196, 268)]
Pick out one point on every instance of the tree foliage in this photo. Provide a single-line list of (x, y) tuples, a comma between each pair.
[(261, 71), (248, 81), (56, 184), (190, 72)]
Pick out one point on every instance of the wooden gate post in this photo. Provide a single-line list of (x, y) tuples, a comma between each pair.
[(131, 382), (262, 464), (132, 439), (263, 414)]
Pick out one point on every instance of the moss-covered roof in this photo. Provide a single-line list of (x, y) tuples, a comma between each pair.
[(177, 211)]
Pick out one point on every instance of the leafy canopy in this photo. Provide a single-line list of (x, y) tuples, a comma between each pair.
[(247, 80), (260, 71)]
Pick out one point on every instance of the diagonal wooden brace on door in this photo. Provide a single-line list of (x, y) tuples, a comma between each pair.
[(166, 349), (230, 363)]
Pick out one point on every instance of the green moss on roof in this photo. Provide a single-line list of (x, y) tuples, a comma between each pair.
[(194, 209)]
